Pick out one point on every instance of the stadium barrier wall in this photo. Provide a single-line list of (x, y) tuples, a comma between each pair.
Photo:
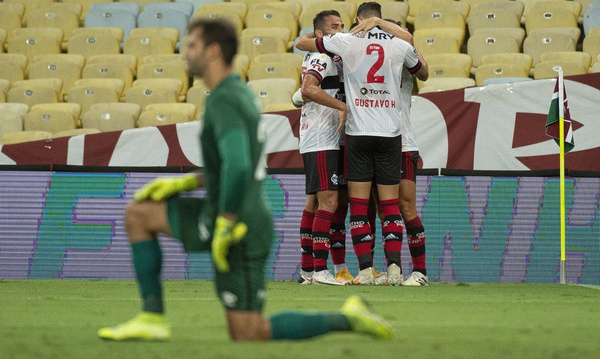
[(484, 228)]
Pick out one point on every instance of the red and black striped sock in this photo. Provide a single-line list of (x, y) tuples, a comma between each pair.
[(392, 231), (360, 230), (321, 238), (416, 244), (306, 241), (372, 215), (338, 236)]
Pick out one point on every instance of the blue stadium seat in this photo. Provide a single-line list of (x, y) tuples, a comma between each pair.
[(122, 19), (164, 18), (185, 8), (591, 18), (131, 7)]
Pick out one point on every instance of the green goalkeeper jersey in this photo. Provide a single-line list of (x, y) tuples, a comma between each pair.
[(234, 168)]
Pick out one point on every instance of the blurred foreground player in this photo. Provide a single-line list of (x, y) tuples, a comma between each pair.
[(233, 221)]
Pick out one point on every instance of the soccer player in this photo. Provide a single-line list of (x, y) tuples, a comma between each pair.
[(232, 221), (372, 72), (322, 119)]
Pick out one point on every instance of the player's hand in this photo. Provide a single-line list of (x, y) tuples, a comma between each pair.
[(365, 25), (343, 116), (165, 187), (227, 233)]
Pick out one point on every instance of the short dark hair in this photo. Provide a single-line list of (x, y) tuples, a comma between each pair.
[(220, 31), (319, 20), (369, 9)]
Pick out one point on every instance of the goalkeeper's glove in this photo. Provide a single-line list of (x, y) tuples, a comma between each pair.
[(165, 187), (227, 233)]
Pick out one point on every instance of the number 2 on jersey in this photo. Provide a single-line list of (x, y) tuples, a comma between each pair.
[(371, 77)]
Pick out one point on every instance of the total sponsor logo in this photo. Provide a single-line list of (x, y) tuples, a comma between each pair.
[(366, 91)]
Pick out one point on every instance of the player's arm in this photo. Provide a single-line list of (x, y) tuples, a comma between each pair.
[(423, 72), (385, 25), (307, 42), (313, 92), (164, 187)]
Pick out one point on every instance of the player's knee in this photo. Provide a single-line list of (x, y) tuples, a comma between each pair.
[(134, 216)]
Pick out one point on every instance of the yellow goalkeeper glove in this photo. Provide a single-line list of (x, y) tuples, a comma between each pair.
[(227, 233), (165, 187)]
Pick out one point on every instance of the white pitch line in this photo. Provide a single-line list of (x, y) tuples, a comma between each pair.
[(591, 286)]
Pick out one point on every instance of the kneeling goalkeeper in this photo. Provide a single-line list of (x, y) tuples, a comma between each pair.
[(232, 221)]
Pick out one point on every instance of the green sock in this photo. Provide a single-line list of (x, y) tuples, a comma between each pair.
[(296, 325), (147, 259)]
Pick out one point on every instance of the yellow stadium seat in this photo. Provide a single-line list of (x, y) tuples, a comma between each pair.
[(16, 59), (4, 87), (115, 32), (171, 33), (70, 7), (444, 71), (3, 36), (86, 96), (10, 122), (20, 108), (572, 7), (109, 70), (132, 108), (162, 59), (11, 138), (241, 63), (519, 59), (545, 18), (462, 61), (74, 109), (14, 7), (173, 70), (197, 96), (495, 70), (90, 45), (85, 6), (188, 109), (129, 61), (115, 84), (143, 3), (272, 18), (66, 21), (581, 59), (431, 42), (161, 118), (516, 7), (33, 92), (147, 44), (149, 91), (517, 33), (542, 41), (495, 18), (446, 83), (9, 21), (479, 46), (106, 121), (29, 4), (253, 46), (11, 71), (397, 11), (270, 91), (347, 12), (67, 71), (34, 45), (238, 8), (49, 120), (288, 57), (282, 32), (272, 70), (545, 69), (591, 46), (292, 7)]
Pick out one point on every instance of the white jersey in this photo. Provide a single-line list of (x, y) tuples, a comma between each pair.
[(318, 123), (372, 77), (409, 142)]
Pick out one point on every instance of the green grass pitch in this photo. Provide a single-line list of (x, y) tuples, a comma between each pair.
[(59, 319)]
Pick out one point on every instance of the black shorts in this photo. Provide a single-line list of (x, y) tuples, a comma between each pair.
[(323, 171), (410, 161), (371, 158)]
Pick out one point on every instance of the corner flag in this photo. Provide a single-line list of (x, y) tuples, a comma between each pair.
[(554, 114)]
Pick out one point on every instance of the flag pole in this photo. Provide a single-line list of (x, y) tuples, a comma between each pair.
[(561, 136)]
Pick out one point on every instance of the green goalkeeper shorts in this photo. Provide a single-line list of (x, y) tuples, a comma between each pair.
[(243, 287)]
